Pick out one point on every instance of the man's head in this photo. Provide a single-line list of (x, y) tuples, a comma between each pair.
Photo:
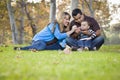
[(77, 15)]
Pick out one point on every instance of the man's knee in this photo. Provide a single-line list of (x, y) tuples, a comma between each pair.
[(99, 39)]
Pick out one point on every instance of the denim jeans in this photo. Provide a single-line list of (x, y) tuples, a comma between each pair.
[(84, 43), (97, 42), (72, 42), (41, 45), (38, 45), (55, 46)]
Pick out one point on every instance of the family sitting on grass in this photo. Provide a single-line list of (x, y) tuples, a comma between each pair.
[(83, 33)]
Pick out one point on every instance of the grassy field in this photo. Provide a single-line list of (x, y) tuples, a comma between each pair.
[(54, 65)]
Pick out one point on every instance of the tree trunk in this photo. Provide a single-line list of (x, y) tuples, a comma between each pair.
[(52, 10), (90, 7), (83, 6), (33, 26), (21, 37), (74, 4), (12, 23)]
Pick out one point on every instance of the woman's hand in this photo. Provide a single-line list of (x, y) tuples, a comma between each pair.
[(77, 30), (67, 50), (74, 28)]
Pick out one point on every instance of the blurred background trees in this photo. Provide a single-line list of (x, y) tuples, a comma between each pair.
[(21, 20)]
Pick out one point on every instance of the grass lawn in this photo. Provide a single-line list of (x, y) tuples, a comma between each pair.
[(54, 65)]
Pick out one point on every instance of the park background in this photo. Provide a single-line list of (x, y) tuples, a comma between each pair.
[(22, 19)]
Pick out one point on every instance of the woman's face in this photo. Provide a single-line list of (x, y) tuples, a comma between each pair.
[(66, 20)]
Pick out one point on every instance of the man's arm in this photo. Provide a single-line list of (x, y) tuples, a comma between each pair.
[(98, 32)]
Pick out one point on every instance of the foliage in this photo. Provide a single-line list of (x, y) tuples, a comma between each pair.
[(39, 13), (113, 34), (54, 65), (4, 23), (116, 27)]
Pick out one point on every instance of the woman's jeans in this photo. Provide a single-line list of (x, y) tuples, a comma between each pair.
[(97, 42), (41, 45)]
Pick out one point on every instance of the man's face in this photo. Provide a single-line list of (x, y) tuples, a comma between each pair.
[(78, 18)]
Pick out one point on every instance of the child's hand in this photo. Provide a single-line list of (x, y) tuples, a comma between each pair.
[(89, 38)]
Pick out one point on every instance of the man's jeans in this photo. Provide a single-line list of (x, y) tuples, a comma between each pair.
[(84, 43), (97, 42)]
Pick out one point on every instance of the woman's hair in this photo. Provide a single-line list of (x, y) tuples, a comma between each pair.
[(60, 21)]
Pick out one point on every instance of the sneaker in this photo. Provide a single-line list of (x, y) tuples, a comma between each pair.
[(80, 49), (86, 49), (74, 48), (16, 48), (94, 48)]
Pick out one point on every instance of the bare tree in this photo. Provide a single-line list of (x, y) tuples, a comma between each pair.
[(52, 10), (89, 4), (21, 34), (33, 26), (12, 23), (74, 4), (83, 6)]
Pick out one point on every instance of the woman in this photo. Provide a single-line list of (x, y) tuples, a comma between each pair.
[(51, 36)]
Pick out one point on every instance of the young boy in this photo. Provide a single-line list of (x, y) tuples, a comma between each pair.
[(84, 41)]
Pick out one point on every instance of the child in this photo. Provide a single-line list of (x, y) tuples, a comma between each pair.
[(84, 41)]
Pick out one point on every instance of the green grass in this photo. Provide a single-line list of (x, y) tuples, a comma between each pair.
[(54, 65)]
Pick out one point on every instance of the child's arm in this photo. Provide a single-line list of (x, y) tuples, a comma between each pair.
[(93, 34)]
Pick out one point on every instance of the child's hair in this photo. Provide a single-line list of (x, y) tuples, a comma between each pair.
[(87, 22)]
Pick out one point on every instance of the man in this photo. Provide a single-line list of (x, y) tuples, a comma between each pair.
[(78, 17)]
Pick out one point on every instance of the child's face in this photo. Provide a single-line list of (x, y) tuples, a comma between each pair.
[(84, 25)]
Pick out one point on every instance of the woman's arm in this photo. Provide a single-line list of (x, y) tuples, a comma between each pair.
[(59, 35), (72, 30)]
